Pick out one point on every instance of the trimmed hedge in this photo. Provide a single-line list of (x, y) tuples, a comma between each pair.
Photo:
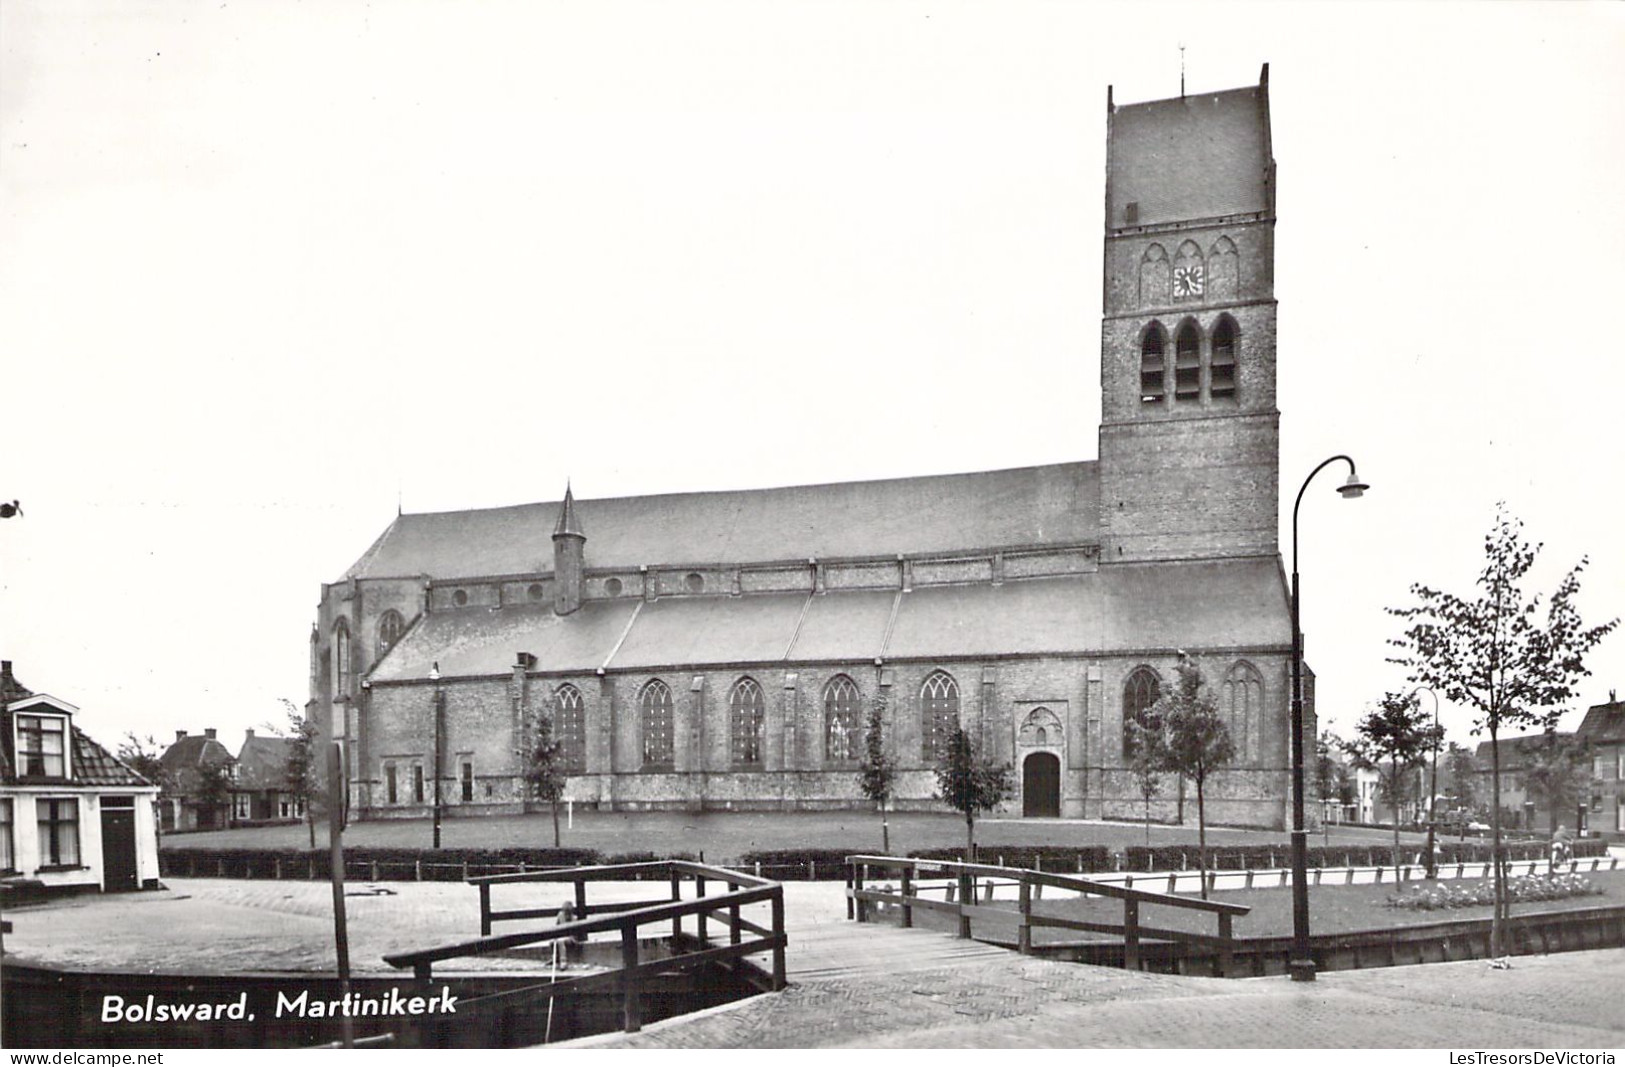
[(799, 864), (1057, 859), (366, 863), (1259, 857)]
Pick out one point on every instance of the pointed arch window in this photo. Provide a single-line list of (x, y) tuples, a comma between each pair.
[(1222, 373), (390, 627), (1140, 694), (747, 720), (1241, 703), (655, 717), (341, 657), (939, 714), (841, 700), (1188, 364), (1152, 365), (570, 729)]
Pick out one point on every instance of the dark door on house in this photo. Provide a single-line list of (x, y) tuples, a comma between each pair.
[(1041, 786), (118, 844)]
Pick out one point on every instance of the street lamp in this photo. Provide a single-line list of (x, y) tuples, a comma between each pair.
[(1429, 862), (439, 743), (1300, 965)]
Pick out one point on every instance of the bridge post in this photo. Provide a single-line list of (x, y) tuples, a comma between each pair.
[(1024, 936), (908, 896), (1131, 934), (630, 1016), (485, 909), (777, 901), (699, 889), (677, 920), (856, 904), (1226, 933), (967, 898)]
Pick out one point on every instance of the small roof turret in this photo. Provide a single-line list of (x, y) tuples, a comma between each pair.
[(567, 525)]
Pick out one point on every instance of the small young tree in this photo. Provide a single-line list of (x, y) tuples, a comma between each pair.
[(970, 783), (299, 774), (544, 770), (1393, 739), (214, 790), (142, 755), (1493, 651), (876, 771), (1558, 776), (1195, 743), (1145, 761), (1460, 776)]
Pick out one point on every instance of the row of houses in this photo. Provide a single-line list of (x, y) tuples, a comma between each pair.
[(207, 788)]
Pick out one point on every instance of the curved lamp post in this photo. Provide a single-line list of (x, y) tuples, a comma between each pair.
[(1301, 966), (1429, 862)]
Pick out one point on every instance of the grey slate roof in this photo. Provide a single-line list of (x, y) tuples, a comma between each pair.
[(262, 763), (183, 759), (1604, 723), (1048, 505), (1208, 604), (1194, 157)]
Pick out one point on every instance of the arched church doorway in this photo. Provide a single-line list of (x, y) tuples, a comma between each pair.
[(1041, 786)]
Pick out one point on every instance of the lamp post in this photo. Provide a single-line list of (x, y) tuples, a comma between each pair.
[(1301, 966), (439, 743), (1429, 862)]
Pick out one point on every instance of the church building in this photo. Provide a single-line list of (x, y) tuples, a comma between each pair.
[(723, 650)]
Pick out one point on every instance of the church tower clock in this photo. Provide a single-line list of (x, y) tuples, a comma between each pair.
[(1189, 440)]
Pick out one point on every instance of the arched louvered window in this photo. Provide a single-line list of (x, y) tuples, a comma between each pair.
[(1188, 364), (747, 721), (1152, 368), (390, 626), (655, 715), (1140, 693), (570, 729), (1223, 367), (939, 714), (1241, 703), (341, 658), (841, 717)]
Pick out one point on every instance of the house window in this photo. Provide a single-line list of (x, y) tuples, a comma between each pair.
[(746, 717), (391, 785), (1222, 371), (41, 746), (417, 783), (841, 701), (570, 729), (239, 806), (467, 774), (390, 625), (1140, 692), (58, 832), (1188, 365), (654, 712), (8, 848), (341, 657), (939, 714), (1152, 388)]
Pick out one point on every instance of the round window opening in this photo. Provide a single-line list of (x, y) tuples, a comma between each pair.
[(459, 598), (613, 587), (535, 590), (694, 582)]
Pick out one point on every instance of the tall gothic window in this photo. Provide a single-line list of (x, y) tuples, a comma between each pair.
[(1188, 364), (841, 716), (1152, 388), (570, 729), (1223, 368), (939, 714), (1140, 692), (747, 714), (654, 711), (1241, 703), (390, 625), (341, 657)]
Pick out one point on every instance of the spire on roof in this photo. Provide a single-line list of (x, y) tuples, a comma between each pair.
[(567, 525)]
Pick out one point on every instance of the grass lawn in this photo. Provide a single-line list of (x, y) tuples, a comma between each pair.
[(724, 836)]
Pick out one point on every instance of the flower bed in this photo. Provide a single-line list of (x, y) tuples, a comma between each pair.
[(1465, 894)]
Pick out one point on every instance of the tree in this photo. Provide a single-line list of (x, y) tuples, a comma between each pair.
[(1496, 652), (1332, 778), (1393, 739), (143, 756), (545, 776), (1195, 743), (1145, 760), (876, 771), (214, 789), (299, 774), (1462, 783), (1558, 775), (970, 782)]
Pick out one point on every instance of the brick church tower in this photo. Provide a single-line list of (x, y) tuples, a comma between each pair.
[(1189, 439)]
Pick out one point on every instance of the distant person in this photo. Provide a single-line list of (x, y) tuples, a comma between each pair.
[(1562, 850)]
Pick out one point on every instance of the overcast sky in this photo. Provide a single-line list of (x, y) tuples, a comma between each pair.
[(270, 269)]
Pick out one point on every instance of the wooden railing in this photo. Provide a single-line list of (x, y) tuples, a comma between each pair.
[(963, 904), (744, 938)]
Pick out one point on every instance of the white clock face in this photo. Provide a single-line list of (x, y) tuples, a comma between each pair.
[(1188, 281)]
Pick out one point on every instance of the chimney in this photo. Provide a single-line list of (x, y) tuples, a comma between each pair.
[(179, 734), (209, 733), (250, 734)]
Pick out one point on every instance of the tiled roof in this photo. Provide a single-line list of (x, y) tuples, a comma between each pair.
[(1192, 157), (1517, 751), (262, 763), (1603, 723), (1053, 504), (183, 758), (94, 765), (1195, 605)]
